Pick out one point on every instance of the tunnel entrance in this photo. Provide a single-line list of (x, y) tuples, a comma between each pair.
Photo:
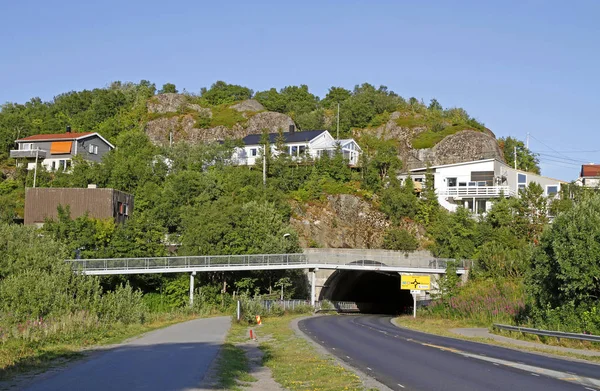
[(375, 292)]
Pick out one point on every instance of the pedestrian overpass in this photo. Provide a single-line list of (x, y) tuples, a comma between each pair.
[(313, 260)]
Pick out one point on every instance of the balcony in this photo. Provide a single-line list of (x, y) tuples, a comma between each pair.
[(28, 153), (476, 191)]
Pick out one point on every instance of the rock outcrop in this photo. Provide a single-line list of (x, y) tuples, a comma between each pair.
[(248, 105), (342, 221), (186, 124)]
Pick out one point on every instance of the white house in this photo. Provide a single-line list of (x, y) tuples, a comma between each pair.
[(476, 184), (313, 143), (55, 151)]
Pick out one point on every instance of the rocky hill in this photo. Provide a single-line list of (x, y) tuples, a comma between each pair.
[(421, 140), (177, 116)]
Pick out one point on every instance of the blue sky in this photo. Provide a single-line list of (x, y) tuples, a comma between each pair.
[(518, 66)]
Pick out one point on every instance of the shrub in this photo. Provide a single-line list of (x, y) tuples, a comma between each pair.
[(123, 305), (400, 240)]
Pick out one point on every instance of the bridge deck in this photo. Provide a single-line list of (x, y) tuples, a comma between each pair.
[(111, 266)]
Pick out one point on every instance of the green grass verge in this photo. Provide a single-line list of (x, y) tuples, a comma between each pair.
[(19, 356), (442, 326), (232, 364), (296, 364)]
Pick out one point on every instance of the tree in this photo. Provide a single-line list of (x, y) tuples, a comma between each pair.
[(168, 88), (526, 160), (565, 268), (429, 206), (400, 240), (223, 93), (434, 105), (399, 201), (284, 282)]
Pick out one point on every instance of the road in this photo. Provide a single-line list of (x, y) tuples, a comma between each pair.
[(408, 360), (173, 358)]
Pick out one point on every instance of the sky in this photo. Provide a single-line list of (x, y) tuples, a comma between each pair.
[(517, 66)]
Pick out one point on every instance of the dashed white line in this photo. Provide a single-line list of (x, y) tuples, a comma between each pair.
[(534, 374), (496, 364), (347, 356), (591, 389), (369, 369), (401, 386)]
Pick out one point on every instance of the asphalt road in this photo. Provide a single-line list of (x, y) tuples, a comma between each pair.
[(173, 358), (408, 360)]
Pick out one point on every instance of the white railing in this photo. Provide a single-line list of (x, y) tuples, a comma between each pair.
[(324, 260), (476, 191), (28, 153)]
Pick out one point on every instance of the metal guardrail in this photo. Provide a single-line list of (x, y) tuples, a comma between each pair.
[(548, 333), (253, 262)]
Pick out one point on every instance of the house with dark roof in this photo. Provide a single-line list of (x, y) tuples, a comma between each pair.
[(56, 151), (589, 176), (298, 145)]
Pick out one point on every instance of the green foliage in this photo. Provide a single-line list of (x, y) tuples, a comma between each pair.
[(399, 201), (292, 100), (380, 162), (526, 160), (168, 88), (455, 235), (400, 240), (222, 93), (223, 115)]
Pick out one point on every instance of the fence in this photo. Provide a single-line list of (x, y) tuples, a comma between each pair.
[(548, 333)]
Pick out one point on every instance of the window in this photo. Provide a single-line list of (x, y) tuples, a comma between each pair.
[(95, 149), (481, 183), (451, 182), (67, 165), (521, 181), (120, 208), (551, 190), (302, 150), (294, 150), (91, 148), (53, 165), (253, 152), (472, 183), (463, 184)]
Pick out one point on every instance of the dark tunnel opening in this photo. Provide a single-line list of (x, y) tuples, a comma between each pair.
[(375, 292)]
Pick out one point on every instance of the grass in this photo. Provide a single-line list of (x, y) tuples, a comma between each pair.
[(296, 364), (441, 326), (19, 356), (429, 138), (232, 364), (223, 115)]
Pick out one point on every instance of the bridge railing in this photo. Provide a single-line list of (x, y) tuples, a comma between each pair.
[(261, 260)]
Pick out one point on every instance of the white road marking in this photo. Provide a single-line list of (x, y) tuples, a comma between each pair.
[(496, 364), (534, 374), (401, 386), (369, 369), (591, 389), (333, 348), (347, 356)]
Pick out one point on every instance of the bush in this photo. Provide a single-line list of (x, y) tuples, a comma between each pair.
[(400, 240), (123, 305)]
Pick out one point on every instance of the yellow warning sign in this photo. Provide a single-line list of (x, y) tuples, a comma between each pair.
[(420, 283)]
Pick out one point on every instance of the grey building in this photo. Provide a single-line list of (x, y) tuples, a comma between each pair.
[(56, 151), (42, 203)]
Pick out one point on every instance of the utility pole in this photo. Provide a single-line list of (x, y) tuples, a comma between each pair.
[(515, 157), (338, 122), (35, 169), (265, 166), (527, 141)]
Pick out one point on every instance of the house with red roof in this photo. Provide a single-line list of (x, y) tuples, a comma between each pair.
[(56, 151), (589, 176)]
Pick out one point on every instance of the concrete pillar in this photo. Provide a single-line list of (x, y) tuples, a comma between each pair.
[(192, 274), (313, 276)]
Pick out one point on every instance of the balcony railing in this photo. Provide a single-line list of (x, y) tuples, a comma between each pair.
[(476, 191), (28, 153)]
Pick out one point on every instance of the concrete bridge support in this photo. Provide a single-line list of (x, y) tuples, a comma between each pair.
[(192, 274)]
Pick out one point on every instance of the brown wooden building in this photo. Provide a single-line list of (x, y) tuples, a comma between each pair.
[(42, 203)]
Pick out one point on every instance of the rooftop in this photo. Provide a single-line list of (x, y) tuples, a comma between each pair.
[(289, 137), (57, 136), (588, 170)]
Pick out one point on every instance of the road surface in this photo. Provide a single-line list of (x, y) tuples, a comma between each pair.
[(408, 360), (173, 358)]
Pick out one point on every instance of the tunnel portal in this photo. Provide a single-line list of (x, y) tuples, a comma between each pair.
[(375, 292)]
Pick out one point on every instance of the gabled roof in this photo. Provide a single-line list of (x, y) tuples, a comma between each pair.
[(289, 137), (52, 137), (67, 136), (590, 170)]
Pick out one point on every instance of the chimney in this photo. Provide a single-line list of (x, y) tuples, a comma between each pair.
[(68, 128), (292, 128)]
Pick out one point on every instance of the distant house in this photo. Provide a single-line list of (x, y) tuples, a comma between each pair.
[(313, 143), (55, 151), (476, 184), (42, 203), (589, 176)]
